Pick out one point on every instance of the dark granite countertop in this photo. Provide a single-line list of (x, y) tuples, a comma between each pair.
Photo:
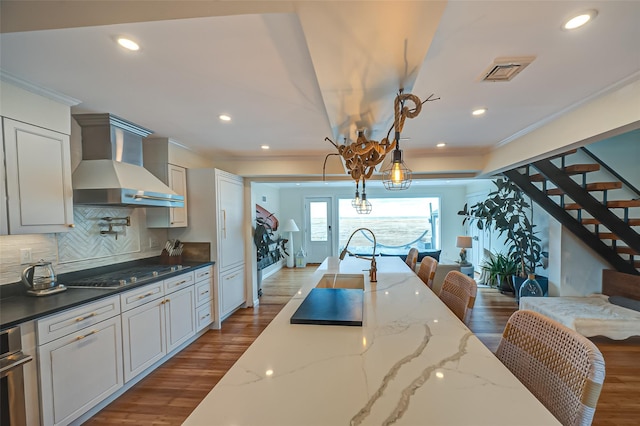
[(17, 307)]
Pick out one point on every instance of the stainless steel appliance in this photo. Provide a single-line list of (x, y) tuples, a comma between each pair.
[(12, 401), (124, 277), (40, 279)]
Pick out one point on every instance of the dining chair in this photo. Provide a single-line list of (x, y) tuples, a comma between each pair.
[(412, 258), (458, 292), (562, 368), (427, 270)]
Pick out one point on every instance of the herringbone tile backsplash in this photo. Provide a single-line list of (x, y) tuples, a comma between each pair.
[(84, 247)]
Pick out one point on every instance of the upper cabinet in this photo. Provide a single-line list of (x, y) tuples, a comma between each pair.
[(156, 160), (37, 195), (38, 179)]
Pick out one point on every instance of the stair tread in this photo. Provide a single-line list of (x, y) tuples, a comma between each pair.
[(610, 204), (593, 221), (607, 236), (596, 186), (623, 203), (573, 169), (626, 250)]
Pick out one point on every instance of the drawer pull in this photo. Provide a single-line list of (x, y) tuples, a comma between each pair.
[(204, 292), (92, 314), (86, 335), (208, 315), (142, 296), (180, 283), (232, 276)]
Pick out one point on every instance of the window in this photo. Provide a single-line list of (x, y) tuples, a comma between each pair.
[(398, 223)]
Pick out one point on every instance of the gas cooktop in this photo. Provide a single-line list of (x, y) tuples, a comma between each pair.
[(124, 277)]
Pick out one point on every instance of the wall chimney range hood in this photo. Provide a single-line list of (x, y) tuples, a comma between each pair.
[(111, 171)]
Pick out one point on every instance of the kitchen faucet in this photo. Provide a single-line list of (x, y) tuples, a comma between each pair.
[(373, 277)]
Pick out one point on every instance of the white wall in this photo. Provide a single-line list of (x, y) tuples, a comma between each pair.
[(452, 198)]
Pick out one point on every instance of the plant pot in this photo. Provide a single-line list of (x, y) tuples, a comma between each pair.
[(518, 280), (504, 285)]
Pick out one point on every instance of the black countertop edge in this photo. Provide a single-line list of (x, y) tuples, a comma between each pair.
[(17, 307)]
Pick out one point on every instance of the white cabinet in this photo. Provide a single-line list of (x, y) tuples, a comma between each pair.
[(143, 328), (231, 291), (156, 319), (179, 317), (83, 367), (157, 160), (38, 179), (217, 215), (204, 297)]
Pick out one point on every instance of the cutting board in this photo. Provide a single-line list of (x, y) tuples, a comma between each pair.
[(331, 306)]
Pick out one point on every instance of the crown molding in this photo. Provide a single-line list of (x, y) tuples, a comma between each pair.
[(38, 90)]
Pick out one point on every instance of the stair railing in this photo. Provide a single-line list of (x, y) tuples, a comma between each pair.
[(610, 170)]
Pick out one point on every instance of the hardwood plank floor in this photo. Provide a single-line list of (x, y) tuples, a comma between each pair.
[(169, 394)]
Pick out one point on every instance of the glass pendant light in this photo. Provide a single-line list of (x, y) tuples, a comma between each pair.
[(356, 201), (397, 176), (365, 206)]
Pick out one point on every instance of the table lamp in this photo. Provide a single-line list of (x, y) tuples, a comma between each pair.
[(289, 227), (463, 242)]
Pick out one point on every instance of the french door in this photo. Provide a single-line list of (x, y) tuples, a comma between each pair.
[(318, 238)]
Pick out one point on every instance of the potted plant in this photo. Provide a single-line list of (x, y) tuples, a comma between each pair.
[(500, 268), (507, 211)]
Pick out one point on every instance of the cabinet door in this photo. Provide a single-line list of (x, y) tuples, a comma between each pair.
[(231, 214), (143, 337), (180, 317), (178, 182), (4, 228), (231, 291), (38, 168), (80, 370)]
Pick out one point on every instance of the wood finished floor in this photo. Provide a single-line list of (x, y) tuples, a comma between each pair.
[(169, 394)]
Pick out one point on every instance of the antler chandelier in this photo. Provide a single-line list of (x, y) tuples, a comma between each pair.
[(362, 156)]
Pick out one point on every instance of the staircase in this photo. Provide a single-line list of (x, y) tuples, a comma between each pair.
[(591, 200)]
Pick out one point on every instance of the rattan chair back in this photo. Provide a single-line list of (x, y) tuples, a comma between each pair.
[(459, 293), (427, 270), (412, 258), (562, 368)]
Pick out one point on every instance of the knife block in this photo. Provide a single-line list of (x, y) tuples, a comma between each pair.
[(165, 259)]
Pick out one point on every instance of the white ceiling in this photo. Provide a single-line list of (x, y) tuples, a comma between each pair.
[(292, 73)]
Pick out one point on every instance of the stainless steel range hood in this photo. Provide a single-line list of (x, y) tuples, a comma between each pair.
[(111, 171)]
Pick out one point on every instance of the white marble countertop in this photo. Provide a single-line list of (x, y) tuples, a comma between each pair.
[(411, 363)]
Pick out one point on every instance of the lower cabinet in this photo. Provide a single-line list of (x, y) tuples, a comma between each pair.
[(79, 370), (143, 337), (180, 317), (231, 291)]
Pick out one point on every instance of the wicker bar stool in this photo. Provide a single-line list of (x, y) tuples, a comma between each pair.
[(412, 258), (562, 368), (427, 270), (459, 293)]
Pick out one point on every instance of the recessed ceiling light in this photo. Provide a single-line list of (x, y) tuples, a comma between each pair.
[(224, 117), (479, 111), (580, 20), (128, 43), (264, 146), (441, 144)]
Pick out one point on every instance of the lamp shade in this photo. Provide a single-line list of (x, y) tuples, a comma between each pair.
[(290, 226), (463, 242)]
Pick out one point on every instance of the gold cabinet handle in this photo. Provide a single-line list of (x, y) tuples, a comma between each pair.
[(71, 225), (92, 314), (208, 315), (86, 335), (142, 296), (204, 292)]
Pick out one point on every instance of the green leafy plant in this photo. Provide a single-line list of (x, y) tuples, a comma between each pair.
[(500, 267), (507, 211), (269, 249)]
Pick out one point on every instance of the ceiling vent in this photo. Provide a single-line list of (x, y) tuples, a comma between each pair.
[(504, 69)]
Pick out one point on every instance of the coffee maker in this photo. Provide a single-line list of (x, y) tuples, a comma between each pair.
[(40, 279)]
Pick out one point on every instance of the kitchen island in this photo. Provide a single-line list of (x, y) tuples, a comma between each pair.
[(411, 363)]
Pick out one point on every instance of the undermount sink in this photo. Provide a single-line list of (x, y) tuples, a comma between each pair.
[(354, 281)]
